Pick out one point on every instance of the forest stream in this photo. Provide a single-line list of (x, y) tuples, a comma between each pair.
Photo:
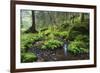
[(59, 54), (54, 35)]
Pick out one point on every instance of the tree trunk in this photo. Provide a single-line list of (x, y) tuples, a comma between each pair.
[(81, 17), (33, 22), (21, 12), (32, 28)]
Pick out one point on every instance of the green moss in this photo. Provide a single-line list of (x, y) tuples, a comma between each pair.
[(28, 57)]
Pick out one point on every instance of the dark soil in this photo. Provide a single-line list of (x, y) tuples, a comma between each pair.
[(56, 55)]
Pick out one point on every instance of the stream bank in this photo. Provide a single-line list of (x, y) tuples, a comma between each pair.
[(56, 55)]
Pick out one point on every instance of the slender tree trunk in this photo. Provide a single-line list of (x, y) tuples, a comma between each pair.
[(21, 17), (33, 22), (51, 20), (81, 17), (32, 28)]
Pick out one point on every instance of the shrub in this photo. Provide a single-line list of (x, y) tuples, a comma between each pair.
[(28, 39), (77, 47), (61, 34), (84, 38), (28, 57), (46, 32), (52, 44)]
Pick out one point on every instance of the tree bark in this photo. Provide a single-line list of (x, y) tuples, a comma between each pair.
[(33, 22), (81, 17), (32, 28)]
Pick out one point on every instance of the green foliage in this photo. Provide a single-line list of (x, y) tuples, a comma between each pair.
[(46, 32), (53, 28), (65, 26), (28, 57), (37, 37), (28, 39), (61, 34), (84, 38), (43, 29), (50, 34), (73, 34), (76, 47), (52, 44)]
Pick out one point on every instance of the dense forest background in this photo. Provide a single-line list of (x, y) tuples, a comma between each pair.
[(54, 36)]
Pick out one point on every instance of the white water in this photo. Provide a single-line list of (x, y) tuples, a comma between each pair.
[(65, 49)]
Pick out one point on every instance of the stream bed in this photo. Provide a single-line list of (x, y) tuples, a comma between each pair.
[(56, 55)]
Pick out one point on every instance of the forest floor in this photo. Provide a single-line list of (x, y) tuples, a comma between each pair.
[(56, 55)]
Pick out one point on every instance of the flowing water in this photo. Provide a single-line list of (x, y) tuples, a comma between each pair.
[(65, 49)]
